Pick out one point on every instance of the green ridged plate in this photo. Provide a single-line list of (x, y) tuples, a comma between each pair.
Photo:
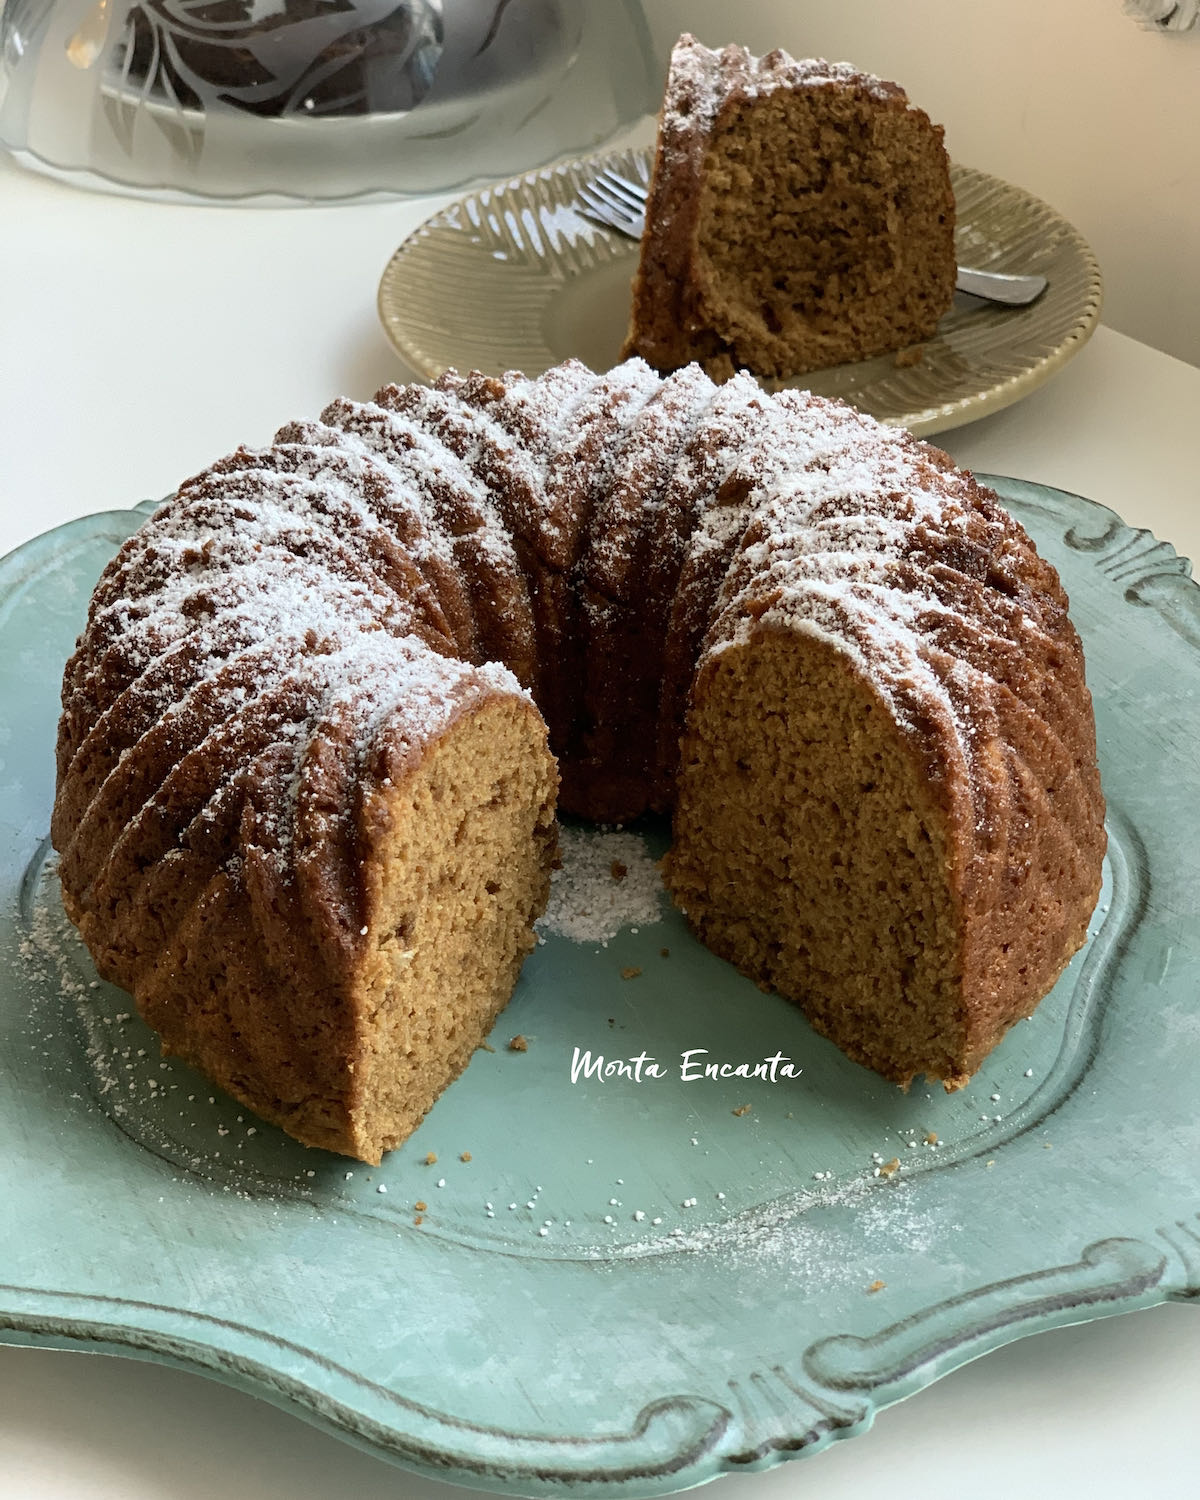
[(514, 277), (701, 1299)]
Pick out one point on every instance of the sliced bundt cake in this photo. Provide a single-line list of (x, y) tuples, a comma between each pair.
[(800, 215), (888, 806), (307, 774)]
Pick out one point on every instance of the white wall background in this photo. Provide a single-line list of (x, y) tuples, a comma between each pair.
[(1069, 98)]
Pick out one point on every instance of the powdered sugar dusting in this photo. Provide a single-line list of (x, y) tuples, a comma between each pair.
[(700, 80), (840, 507), (785, 1235), (606, 882)]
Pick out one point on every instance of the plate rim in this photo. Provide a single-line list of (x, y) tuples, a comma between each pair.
[(923, 422)]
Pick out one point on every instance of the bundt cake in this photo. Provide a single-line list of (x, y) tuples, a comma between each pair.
[(306, 761), (800, 215)]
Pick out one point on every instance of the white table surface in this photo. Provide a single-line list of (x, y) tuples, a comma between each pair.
[(138, 342)]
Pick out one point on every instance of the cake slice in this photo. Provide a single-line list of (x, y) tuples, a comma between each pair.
[(800, 215)]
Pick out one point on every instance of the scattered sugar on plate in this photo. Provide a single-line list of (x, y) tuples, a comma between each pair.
[(587, 904)]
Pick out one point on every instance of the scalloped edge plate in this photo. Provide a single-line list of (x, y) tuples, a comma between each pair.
[(515, 277), (532, 1365)]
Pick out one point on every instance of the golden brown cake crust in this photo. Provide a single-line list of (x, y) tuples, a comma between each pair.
[(329, 665), (800, 215)]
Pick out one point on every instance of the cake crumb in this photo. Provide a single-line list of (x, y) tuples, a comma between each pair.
[(631, 972), (664, 953), (518, 1043), (419, 1219), (907, 358), (618, 869), (464, 1156), (890, 1168), (877, 1286), (420, 1206), (431, 1158), (742, 1109), (931, 1138)]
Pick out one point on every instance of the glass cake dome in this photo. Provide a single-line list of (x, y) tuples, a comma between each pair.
[(317, 100)]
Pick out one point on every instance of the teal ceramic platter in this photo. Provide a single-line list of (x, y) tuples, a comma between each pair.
[(623, 1287)]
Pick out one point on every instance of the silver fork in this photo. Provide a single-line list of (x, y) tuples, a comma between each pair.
[(618, 203)]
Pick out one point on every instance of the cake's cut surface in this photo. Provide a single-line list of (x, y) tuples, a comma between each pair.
[(461, 871), (812, 852), (800, 215), (307, 776)]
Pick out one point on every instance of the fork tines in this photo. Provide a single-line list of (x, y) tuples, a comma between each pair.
[(633, 194), (615, 202)]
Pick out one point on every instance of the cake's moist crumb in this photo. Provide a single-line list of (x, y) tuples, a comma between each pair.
[(800, 215)]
